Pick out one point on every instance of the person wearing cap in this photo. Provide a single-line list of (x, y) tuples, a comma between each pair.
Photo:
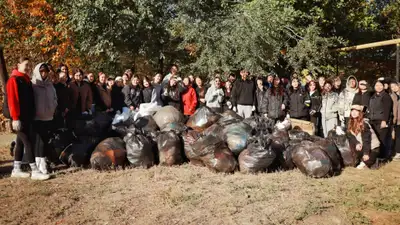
[(243, 95), (329, 109), (362, 137), (117, 97), (276, 101), (172, 94), (173, 72), (380, 110), (363, 96), (346, 98)]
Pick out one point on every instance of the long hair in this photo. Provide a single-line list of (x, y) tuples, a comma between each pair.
[(277, 90), (356, 125)]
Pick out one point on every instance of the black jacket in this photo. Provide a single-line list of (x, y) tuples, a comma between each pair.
[(362, 98), (274, 100), (63, 97), (172, 96), (298, 101), (117, 98), (95, 93), (147, 94), (380, 107), (133, 96), (316, 101), (200, 93), (260, 100), (243, 92)]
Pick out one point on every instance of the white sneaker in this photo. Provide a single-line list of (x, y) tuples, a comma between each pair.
[(19, 174), (37, 175), (361, 166), (43, 166), (397, 157)]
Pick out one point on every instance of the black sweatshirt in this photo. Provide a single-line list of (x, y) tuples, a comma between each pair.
[(243, 93), (380, 107)]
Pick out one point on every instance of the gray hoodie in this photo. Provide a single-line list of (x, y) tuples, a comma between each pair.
[(45, 96)]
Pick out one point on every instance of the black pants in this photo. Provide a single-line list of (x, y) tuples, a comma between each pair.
[(372, 157), (24, 141), (382, 135), (397, 144), (316, 120), (42, 131)]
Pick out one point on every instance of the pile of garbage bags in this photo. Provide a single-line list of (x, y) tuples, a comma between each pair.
[(221, 142)]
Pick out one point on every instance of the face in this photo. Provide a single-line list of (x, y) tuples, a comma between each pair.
[(295, 83), (90, 77), (277, 81), (186, 81), (78, 76), (352, 83), (338, 82), (157, 78), (232, 78), (270, 79), (62, 77), (24, 67), (174, 70), (217, 83), (259, 83), (191, 78), (110, 83), (102, 78), (379, 87), (119, 83), (308, 78), (172, 82), (44, 74), (244, 74), (146, 83), (64, 69), (362, 86), (321, 81), (328, 87), (394, 87), (312, 86), (228, 85), (355, 113), (386, 86), (199, 82), (135, 81)]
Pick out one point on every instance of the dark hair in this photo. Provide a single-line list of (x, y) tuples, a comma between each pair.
[(172, 65), (327, 82), (22, 59), (77, 70), (277, 90), (44, 68)]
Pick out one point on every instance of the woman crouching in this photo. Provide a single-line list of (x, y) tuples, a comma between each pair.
[(363, 137)]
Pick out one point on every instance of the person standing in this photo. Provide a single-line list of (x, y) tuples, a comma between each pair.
[(189, 98), (243, 95), (173, 72), (20, 107), (397, 133), (363, 137), (158, 89), (270, 81), (346, 98), (117, 97), (172, 94), (321, 83), (363, 96), (82, 96), (104, 103), (64, 68), (227, 94), (261, 94), (329, 109), (201, 91), (316, 104), (299, 101), (45, 105), (133, 95), (215, 96), (337, 85), (276, 101), (380, 110), (63, 100), (148, 90)]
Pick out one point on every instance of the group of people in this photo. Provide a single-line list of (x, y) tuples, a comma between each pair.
[(49, 98)]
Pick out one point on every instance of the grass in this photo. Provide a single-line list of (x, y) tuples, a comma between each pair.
[(194, 195)]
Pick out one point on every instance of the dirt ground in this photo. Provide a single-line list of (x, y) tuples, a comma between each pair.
[(193, 195)]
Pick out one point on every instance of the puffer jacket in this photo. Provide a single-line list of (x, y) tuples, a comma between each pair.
[(329, 109), (147, 94), (380, 107), (45, 96), (362, 98), (261, 94), (274, 102), (214, 97), (367, 138), (346, 98), (299, 102)]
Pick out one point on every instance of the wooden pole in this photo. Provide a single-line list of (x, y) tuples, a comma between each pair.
[(3, 71), (370, 45), (398, 62)]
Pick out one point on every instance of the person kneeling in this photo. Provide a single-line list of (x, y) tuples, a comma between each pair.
[(363, 137)]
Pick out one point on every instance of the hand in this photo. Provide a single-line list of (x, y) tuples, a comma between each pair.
[(365, 158), (340, 131), (229, 104), (266, 115), (16, 125), (383, 124), (253, 109), (341, 118), (359, 147), (283, 107), (235, 109), (312, 112), (132, 108)]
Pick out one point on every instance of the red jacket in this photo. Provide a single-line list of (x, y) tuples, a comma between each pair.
[(189, 100)]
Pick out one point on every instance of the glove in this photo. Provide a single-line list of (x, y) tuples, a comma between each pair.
[(266, 115), (341, 118), (229, 104), (253, 109), (16, 125), (340, 131), (235, 109), (312, 112), (283, 107), (90, 112), (288, 116), (85, 113)]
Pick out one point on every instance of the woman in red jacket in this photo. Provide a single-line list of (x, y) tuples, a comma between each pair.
[(189, 98)]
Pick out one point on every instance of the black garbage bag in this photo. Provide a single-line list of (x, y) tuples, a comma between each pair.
[(312, 160), (123, 130), (178, 128), (103, 121), (139, 150), (330, 148), (226, 121), (109, 153), (170, 148), (236, 136), (257, 157), (214, 153), (215, 130), (77, 154), (231, 114), (280, 140), (189, 138), (299, 135), (146, 124), (86, 128), (167, 115), (202, 118), (347, 152), (59, 140), (260, 125)]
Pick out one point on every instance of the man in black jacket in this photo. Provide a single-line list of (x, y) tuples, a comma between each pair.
[(243, 95)]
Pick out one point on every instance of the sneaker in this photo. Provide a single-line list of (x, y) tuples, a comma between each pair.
[(37, 175), (19, 174), (397, 157), (43, 166), (361, 166)]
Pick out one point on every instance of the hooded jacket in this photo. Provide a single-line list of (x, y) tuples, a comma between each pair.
[(214, 97), (299, 102), (189, 100), (329, 109), (346, 98), (45, 96)]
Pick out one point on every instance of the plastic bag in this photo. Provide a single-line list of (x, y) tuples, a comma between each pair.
[(77, 154), (166, 115), (146, 124), (260, 125), (203, 117), (280, 140), (59, 140), (232, 114), (330, 148), (312, 160), (108, 154), (189, 138), (236, 136), (177, 127), (214, 154), (147, 109), (348, 154), (299, 135), (284, 125), (139, 150), (256, 158), (170, 148), (215, 130)]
